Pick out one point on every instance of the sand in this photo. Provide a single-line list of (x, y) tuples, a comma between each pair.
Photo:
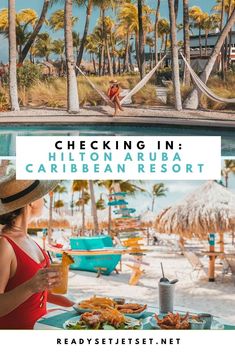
[(193, 291)]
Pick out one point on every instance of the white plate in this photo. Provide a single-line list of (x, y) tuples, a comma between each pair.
[(132, 322)]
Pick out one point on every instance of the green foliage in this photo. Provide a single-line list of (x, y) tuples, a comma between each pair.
[(28, 74), (4, 102)]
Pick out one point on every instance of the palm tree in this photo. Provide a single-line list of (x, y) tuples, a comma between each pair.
[(141, 39), (59, 190), (192, 100), (36, 30), (163, 31), (56, 20), (158, 190), (176, 8), (229, 168), (51, 202), (156, 30), (198, 17), (81, 186), (25, 21), (128, 19), (150, 42), (175, 56), (12, 56), (72, 88), (186, 28), (92, 48), (58, 49), (43, 46), (89, 6), (93, 207)]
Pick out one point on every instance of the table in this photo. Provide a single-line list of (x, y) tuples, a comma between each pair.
[(65, 314)]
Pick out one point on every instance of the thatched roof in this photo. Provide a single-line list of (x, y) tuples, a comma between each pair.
[(58, 221), (209, 209)]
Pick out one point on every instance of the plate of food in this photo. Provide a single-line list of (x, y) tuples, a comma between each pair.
[(107, 319), (170, 322), (94, 303), (133, 310)]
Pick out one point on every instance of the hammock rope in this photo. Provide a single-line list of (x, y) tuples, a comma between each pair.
[(203, 87), (131, 93)]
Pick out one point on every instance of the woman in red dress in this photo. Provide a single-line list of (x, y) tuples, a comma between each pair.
[(25, 275), (114, 95)]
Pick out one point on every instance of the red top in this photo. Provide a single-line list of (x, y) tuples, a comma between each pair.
[(26, 314)]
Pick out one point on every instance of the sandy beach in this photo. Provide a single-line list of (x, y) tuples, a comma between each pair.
[(192, 292)]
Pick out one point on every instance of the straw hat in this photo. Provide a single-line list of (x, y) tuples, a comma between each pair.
[(114, 82), (15, 194)]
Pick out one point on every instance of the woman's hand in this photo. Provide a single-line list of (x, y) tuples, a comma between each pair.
[(44, 279)]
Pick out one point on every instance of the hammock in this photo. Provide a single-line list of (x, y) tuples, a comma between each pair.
[(142, 82), (102, 94), (131, 93), (203, 88)]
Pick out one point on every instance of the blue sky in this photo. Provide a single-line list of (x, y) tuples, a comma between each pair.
[(177, 190), (80, 13)]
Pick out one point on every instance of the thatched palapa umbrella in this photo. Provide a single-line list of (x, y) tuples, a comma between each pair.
[(209, 209)]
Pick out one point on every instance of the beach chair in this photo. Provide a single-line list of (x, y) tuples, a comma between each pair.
[(229, 265), (195, 262)]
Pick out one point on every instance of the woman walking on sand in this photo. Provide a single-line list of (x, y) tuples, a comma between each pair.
[(26, 277), (114, 95)]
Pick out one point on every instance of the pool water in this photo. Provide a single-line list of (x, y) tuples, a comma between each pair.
[(8, 134)]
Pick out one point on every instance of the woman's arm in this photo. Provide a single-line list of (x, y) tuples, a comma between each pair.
[(59, 300), (43, 279)]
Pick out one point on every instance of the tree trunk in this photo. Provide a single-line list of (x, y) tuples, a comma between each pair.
[(156, 31), (226, 180), (12, 56), (94, 64), (83, 214), (100, 62), (176, 8), (109, 220), (130, 58), (221, 28), (126, 59), (72, 88), (36, 30), (119, 66), (166, 40), (141, 40), (51, 194), (137, 51), (93, 207), (200, 41), (114, 64), (206, 41), (86, 28), (187, 78), (153, 201), (175, 57), (110, 67), (192, 101)]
